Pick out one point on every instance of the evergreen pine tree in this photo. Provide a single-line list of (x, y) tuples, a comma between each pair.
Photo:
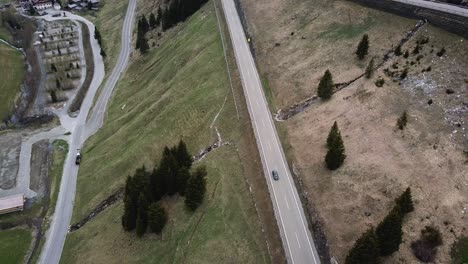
[(402, 120), (405, 202), (365, 250), (158, 18), (363, 47), (325, 88), (145, 26), (370, 69), (196, 188), (389, 233), (336, 151), (165, 24), (332, 135), (144, 47), (142, 215), (183, 176), (169, 170), (130, 206), (152, 21), (157, 186), (157, 218), (183, 156)]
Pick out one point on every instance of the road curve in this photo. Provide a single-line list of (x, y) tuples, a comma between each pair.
[(297, 240), (447, 8), (81, 130)]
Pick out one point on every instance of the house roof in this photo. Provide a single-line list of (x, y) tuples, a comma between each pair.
[(11, 202)]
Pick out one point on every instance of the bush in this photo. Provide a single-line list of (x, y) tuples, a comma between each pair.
[(425, 248), (402, 120), (404, 73), (379, 82), (441, 52)]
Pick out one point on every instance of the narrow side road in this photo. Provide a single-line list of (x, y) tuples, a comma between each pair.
[(81, 129), (297, 239)]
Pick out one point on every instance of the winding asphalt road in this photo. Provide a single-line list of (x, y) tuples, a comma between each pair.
[(81, 129), (297, 240)]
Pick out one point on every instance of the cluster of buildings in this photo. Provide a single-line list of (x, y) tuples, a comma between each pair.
[(39, 5), (83, 4)]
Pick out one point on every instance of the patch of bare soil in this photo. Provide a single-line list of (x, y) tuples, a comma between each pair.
[(296, 42), (40, 164), (381, 160), (9, 159)]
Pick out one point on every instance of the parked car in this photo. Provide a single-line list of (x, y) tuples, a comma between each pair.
[(275, 175)]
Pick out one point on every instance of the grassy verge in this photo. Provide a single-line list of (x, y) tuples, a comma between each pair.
[(60, 154), (176, 90), (13, 245), (12, 68)]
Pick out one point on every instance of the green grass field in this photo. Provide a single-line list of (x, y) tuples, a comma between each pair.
[(12, 69), (174, 91), (13, 245)]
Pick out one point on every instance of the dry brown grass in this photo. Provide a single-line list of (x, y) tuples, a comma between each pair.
[(382, 160)]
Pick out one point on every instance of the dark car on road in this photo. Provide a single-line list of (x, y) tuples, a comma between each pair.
[(275, 175), (78, 158)]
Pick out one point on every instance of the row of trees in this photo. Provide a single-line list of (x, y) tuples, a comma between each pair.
[(175, 11), (143, 28), (326, 86), (386, 238), (97, 36), (178, 11), (171, 176)]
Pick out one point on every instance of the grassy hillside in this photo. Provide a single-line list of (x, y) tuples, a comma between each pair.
[(12, 69), (13, 245), (109, 21), (175, 91)]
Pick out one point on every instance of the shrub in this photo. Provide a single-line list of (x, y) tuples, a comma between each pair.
[(379, 82), (402, 120), (441, 52), (425, 248), (406, 55), (404, 73), (398, 51)]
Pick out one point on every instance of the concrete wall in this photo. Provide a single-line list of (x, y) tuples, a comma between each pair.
[(452, 23)]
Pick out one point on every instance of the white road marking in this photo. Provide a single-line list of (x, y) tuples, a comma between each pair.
[(287, 204), (297, 238)]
